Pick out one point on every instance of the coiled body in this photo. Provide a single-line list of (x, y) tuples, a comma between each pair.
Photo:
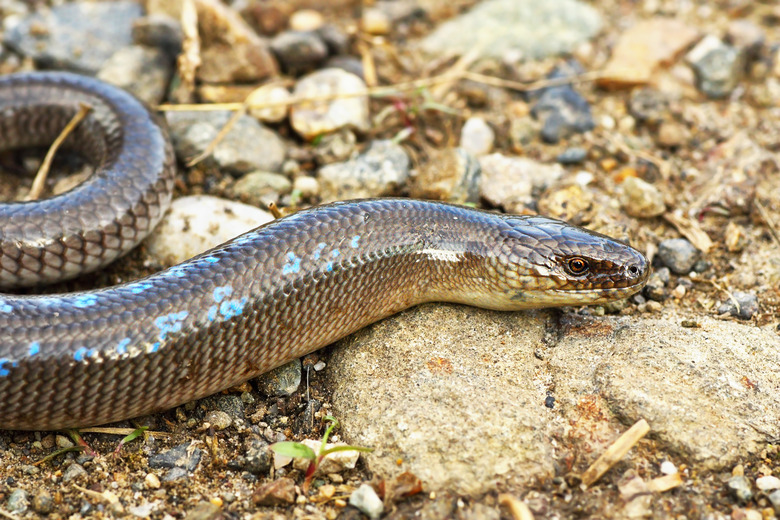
[(276, 293)]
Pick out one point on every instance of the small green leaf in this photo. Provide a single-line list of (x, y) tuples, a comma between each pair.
[(295, 450), (345, 448)]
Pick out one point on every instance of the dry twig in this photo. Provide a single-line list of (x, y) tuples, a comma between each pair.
[(615, 452)]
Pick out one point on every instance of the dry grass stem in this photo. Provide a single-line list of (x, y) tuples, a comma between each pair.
[(615, 452)]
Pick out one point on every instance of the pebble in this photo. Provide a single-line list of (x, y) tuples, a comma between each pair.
[(572, 156), (151, 481), (306, 20), (184, 456), (648, 105), (42, 502), (668, 468), (73, 472), (641, 199), (63, 442), (739, 486), (494, 28), (269, 95), (774, 498), (231, 52), (299, 51), (562, 110), (767, 483), (734, 238), (379, 171), (197, 223), (338, 146), (567, 203), (308, 187), (282, 380), (312, 119), (671, 134), (335, 462), (262, 188), (509, 182), (175, 474), (748, 305), (367, 501), (656, 284), (338, 41), (718, 67), (256, 458), (375, 21), (218, 420), (450, 174), (246, 147), (477, 137), (678, 254), (78, 36), (144, 71), (276, 493), (205, 511), (18, 501)]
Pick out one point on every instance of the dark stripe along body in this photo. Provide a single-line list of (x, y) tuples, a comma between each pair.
[(276, 293)]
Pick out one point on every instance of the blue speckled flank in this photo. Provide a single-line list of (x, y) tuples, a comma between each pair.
[(226, 308), (83, 353), (177, 271), (6, 365), (170, 323), (138, 288), (85, 300), (34, 348), (335, 253), (293, 264), (318, 251), (355, 241), (121, 347), (6, 307)]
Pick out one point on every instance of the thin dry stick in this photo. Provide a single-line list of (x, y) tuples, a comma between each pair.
[(43, 171), (768, 220), (665, 483), (728, 293), (615, 452)]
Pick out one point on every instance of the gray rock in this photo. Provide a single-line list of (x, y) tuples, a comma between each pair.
[(283, 380), (183, 456), (257, 458), (509, 182), (77, 36), (656, 285), (379, 171), (718, 67), (573, 155), (336, 39), (562, 110), (218, 420), (450, 174), (535, 29), (367, 501), (641, 199), (476, 136), (42, 502), (175, 474), (338, 146), (744, 308), (18, 501), (299, 51), (144, 71), (740, 488), (261, 188), (74, 472), (678, 254), (648, 105), (248, 146)]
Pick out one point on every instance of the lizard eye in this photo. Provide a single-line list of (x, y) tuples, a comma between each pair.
[(576, 266)]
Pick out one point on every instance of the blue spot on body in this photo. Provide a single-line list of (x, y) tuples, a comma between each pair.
[(121, 347), (232, 308), (222, 291), (211, 259), (178, 271), (34, 348), (6, 307), (226, 308), (212, 315), (138, 288), (355, 241), (319, 249), (334, 253), (5, 366), (329, 267), (293, 264), (155, 346), (170, 323), (85, 300), (80, 354)]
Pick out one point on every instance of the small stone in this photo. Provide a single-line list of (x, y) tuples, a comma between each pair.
[(335, 462), (774, 498), (768, 482), (572, 156), (306, 20), (151, 481), (668, 468), (18, 501), (335, 147), (509, 182), (42, 502), (476, 136), (336, 39), (63, 442), (282, 380), (197, 223), (641, 199), (366, 500), (272, 95), (218, 419), (648, 105), (261, 188), (204, 511), (299, 51), (257, 458), (183, 456), (310, 119), (175, 474), (718, 67), (567, 203), (379, 171), (142, 70), (562, 110), (277, 493), (739, 486), (671, 134), (678, 254), (450, 174), (74, 472), (734, 238), (375, 21), (745, 307), (159, 31), (308, 187)]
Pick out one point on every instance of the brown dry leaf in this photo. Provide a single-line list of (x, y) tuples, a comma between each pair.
[(691, 230)]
